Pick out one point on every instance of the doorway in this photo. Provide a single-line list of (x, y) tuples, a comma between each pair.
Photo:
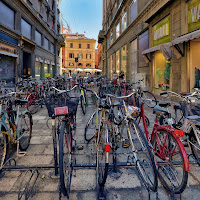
[(26, 64)]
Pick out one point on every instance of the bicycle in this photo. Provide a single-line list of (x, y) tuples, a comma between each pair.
[(61, 105), (167, 149), (188, 119), (83, 98), (15, 126)]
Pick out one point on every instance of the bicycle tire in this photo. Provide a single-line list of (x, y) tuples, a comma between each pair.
[(152, 103), (195, 151), (3, 149), (166, 173), (90, 128), (65, 158), (102, 165), (25, 130), (145, 160)]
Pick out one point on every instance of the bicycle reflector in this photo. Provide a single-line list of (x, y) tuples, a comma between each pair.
[(179, 133), (107, 147)]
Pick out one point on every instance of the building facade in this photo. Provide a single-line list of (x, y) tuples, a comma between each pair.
[(154, 40), (29, 38), (81, 47), (99, 56)]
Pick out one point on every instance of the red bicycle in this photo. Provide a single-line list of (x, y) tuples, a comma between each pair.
[(170, 155)]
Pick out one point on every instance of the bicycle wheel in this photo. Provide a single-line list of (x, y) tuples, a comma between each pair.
[(83, 104), (142, 154), (65, 158), (90, 128), (149, 99), (25, 131), (101, 159), (3, 149), (170, 165), (195, 146)]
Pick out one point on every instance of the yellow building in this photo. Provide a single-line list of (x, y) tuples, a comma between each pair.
[(81, 47)]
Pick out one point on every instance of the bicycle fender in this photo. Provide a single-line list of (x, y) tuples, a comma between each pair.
[(182, 148)]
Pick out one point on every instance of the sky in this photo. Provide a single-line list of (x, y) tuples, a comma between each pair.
[(83, 16)]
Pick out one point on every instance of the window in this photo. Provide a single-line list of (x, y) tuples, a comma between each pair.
[(118, 30), (71, 64), (88, 46), (79, 46), (124, 59), (80, 64), (111, 38), (124, 22), (71, 45), (38, 38), (133, 11), (52, 47), (88, 56), (46, 43), (7, 16), (25, 29), (71, 55), (118, 61), (88, 65), (80, 55)]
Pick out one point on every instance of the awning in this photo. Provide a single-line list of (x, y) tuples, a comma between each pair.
[(186, 38), (164, 48), (8, 54)]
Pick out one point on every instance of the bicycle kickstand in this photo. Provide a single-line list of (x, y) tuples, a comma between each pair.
[(20, 153)]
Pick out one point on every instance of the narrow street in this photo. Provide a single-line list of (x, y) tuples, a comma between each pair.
[(83, 186)]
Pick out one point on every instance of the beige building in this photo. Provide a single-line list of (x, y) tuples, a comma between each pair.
[(157, 40), (81, 47)]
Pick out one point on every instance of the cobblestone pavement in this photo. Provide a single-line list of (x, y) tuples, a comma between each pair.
[(83, 187)]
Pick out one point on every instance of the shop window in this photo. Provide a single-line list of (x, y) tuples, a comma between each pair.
[(7, 16), (124, 22), (71, 45), (134, 59), (124, 60), (133, 11), (118, 30), (71, 55), (38, 38), (111, 66), (118, 61), (25, 28), (162, 69)]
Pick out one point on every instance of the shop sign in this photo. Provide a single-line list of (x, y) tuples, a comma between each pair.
[(193, 15), (8, 49), (39, 59), (161, 32), (46, 61), (52, 63)]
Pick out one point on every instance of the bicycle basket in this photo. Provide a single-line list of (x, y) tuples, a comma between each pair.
[(53, 103), (190, 109)]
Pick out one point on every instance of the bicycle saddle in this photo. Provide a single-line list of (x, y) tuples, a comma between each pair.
[(164, 105), (193, 117), (21, 101), (159, 110)]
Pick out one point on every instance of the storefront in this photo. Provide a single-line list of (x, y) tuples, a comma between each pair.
[(160, 56), (38, 67), (8, 63), (47, 68)]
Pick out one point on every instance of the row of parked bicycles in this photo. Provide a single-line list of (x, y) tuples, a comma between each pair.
[(119, 117)]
